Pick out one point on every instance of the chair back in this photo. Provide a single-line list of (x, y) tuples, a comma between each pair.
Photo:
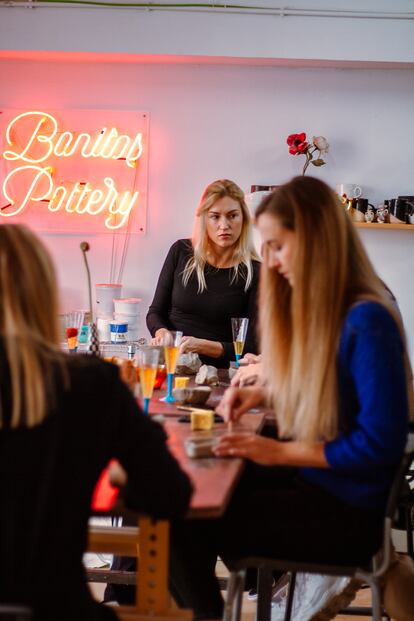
[(394, 497), (399, 478)]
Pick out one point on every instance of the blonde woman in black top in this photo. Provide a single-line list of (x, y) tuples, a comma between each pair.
[(209, 279), (61, 419)]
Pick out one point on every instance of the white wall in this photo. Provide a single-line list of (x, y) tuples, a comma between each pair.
[(216, 33), (232, 121)]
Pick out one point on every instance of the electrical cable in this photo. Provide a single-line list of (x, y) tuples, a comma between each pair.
[(127, 236), (217, 8)]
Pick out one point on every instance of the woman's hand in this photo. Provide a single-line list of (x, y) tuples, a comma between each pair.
[(213, 349), (248, 375), (117, 475), (237, 401), (269, 452), (250, 359), (191, 344), (261, 450), (159, 336)]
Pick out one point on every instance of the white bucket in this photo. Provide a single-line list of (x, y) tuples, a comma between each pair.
[(105, 294), (127, 306)]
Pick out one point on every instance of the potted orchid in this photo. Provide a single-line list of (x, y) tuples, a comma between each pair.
[(298, 145)]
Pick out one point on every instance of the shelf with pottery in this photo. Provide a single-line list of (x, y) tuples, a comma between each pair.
[(376, 225)]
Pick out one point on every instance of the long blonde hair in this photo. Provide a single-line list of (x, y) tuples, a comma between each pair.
[(28, 323), (244, 251), (300, 326)]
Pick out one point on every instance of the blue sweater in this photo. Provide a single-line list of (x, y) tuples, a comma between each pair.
[(373, 410)]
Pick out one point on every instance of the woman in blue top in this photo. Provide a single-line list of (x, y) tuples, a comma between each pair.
[(336, 372)]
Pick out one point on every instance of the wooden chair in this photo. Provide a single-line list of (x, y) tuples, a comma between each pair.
[(151, 543), (371, 575)]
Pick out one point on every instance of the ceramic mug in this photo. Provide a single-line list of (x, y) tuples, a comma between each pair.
[(400, 209), (361, 206), (348, 190)]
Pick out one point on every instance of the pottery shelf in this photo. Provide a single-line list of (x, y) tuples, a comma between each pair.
[(375, 225)]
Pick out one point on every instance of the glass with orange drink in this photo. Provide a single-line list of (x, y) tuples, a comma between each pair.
[(148, 365)]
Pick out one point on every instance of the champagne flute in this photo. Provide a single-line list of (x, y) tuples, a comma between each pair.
[(148, 366), (239, 328), (171, 342)]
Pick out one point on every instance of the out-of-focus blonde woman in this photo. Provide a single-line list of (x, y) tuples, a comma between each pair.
[(61, 419), (336, 373)]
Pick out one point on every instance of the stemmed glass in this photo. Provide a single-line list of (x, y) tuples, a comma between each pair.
[(171, 342), (148, 366), (239, 328)]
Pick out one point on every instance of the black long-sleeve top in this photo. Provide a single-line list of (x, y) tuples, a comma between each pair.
[(205, 315), (47, 477)]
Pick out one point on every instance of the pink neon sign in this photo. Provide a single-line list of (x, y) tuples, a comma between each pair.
[(87, 173)]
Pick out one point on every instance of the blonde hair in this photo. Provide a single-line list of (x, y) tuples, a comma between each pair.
[(244, 251), (300, 326), (28, 323)]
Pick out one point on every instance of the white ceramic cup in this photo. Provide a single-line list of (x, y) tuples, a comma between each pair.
[(350, 190)]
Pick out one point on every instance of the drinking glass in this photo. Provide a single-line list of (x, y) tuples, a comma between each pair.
[(171, 342), (74, 319), (148, 366), (73, 322), (239, 329)]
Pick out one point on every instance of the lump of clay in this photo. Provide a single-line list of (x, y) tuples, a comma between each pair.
[(188, 364), (232, 373), (207, 375), (196, 395)]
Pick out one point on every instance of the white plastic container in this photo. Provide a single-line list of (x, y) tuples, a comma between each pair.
[(103, 327), (132, 320), (133, 335), (105, 294), (127, 306)]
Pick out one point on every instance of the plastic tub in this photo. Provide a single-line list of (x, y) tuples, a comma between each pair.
[(105, 294), (132, 320), (127, 306)]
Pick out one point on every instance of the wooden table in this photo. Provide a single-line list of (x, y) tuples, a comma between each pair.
[(214, 480)]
